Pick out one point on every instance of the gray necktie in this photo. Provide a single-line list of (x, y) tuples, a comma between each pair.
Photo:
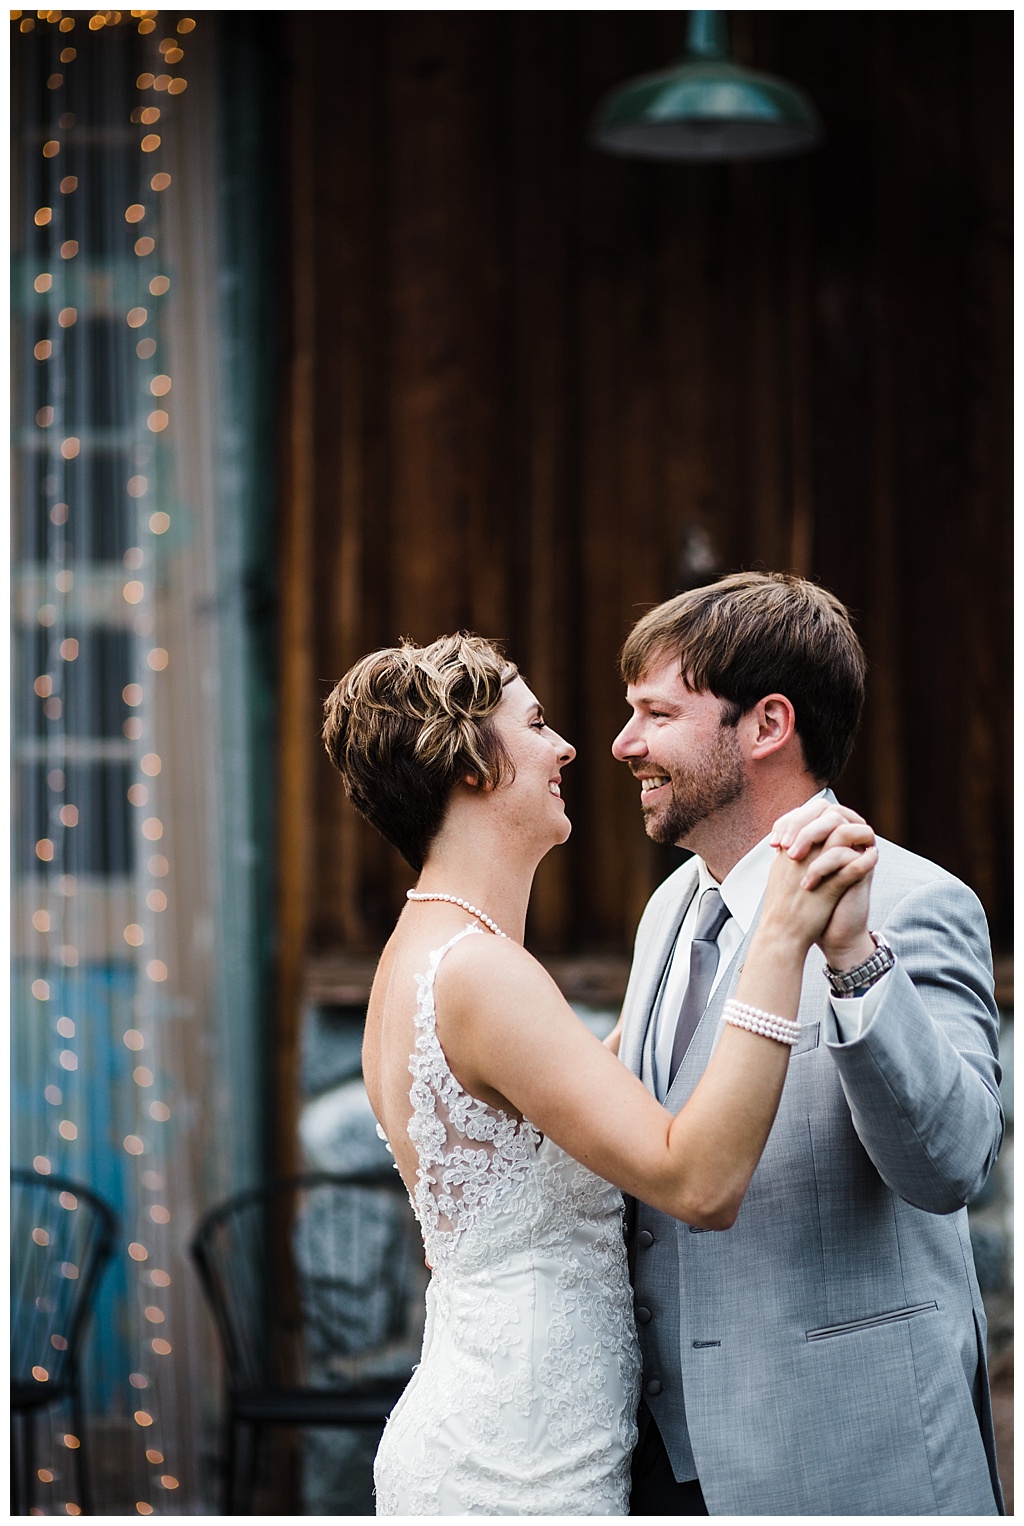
[(711, 918)]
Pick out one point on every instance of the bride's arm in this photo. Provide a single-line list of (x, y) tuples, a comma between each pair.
[(506, 1028)]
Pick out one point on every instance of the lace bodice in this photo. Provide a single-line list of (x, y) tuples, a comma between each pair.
[(470, 1155), (525, 1399)]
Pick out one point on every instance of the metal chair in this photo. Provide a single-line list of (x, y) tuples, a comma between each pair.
[(316, 1284), (62, 1235)]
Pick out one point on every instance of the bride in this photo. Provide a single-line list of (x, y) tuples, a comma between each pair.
[(513, 1127)]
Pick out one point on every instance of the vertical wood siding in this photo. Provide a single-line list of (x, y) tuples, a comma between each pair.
[(534, 389)]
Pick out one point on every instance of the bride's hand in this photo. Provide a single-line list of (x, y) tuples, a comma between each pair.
[(845, 940), (803, 893)]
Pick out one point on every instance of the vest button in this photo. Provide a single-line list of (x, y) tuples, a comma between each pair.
[(654, 1386), (643, 1316), (646, 1238)]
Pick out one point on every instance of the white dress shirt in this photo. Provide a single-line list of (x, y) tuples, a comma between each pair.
[(742, 891)]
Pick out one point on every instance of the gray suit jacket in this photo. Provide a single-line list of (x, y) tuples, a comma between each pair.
[(826, 1355)]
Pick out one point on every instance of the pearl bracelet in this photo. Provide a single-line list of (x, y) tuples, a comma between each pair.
[(746, 1010), (766, 1030), (756, 1020)]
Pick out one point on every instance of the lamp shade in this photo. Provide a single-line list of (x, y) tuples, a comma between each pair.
[(707, 107)]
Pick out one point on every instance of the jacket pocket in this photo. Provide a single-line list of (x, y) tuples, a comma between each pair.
[(828, 1331), (808, 1040)]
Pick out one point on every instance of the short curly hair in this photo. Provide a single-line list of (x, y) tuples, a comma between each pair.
[(408, 723)]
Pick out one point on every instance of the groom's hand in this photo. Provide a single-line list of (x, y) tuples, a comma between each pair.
[(845, 941)]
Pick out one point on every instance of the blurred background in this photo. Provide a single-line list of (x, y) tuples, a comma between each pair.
[(333, 327)]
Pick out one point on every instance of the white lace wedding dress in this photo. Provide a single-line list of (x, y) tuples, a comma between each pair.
[(524, 1401)]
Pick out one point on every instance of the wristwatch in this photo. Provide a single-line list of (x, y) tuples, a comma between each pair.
[(862, 977)]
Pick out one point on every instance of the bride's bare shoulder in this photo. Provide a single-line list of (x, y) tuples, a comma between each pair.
[(489, 975), (487, 954)]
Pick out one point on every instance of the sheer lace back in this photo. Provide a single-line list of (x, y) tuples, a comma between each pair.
[(470, 1155)]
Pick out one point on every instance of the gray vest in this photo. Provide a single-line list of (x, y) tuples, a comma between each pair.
[(654, 1253)]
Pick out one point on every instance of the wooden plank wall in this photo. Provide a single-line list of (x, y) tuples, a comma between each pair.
[(534, 389)]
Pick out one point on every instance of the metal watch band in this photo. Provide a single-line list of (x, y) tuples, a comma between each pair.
[(864, 975)]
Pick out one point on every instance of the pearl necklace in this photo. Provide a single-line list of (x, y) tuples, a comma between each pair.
[(418, 895)]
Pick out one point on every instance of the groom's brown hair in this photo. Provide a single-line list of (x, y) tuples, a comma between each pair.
[(757, 633)]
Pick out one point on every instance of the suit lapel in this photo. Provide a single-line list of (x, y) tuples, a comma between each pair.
[(640, 1004)]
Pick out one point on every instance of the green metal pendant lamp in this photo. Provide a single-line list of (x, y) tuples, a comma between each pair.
[(706, 107)]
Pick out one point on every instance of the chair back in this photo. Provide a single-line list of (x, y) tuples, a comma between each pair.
[(62, 1235), (316, 1282)]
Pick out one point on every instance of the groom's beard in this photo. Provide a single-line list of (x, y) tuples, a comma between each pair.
[(699, 787)]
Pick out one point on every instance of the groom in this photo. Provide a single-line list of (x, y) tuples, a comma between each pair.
[(825, 1355)]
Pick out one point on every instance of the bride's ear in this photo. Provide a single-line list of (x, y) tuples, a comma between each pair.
[(474, 781)]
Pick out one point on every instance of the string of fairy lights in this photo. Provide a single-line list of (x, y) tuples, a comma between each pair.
[(145, 1245)]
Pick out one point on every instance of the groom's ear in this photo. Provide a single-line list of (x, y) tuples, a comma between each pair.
[(773, 724)]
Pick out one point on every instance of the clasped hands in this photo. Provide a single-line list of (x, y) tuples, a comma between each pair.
[(828, 850)]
